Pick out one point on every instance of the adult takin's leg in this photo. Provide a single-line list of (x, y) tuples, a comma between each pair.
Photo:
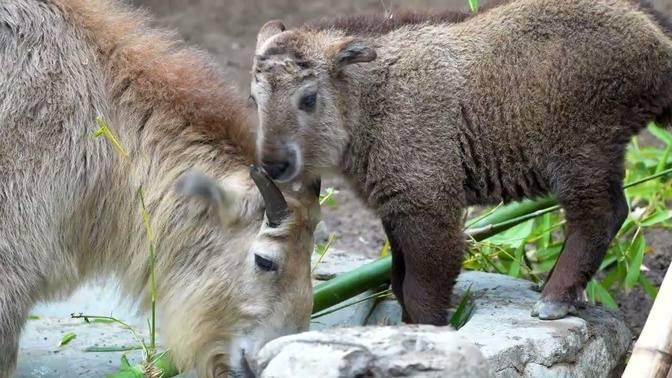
[(13, 312), (595, 208), (429, 251)]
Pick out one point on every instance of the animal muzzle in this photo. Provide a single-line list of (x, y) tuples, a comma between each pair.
[(282, 163)]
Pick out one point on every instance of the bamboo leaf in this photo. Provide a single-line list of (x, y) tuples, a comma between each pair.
[(112, 348), (649, 288), (463, 311), (473, 5), (659, 133), (636, 253), (657, 217), (67, 338), (602, 295), (385, 250)]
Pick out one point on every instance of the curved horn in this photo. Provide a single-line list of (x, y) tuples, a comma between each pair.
[(276, 205), (317, 186)]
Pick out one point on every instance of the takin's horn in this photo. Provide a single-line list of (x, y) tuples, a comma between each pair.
[(276, 205)]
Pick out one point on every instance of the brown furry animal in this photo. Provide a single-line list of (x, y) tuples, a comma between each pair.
[(228, 280), (427, 117)]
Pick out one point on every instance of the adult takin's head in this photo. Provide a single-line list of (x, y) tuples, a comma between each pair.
[(247, 281), (296, 79)]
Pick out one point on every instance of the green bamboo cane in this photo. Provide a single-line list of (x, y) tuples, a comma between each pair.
[(374, 274)]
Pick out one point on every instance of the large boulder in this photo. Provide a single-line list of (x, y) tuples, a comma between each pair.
[(591, 344), (403, 351)]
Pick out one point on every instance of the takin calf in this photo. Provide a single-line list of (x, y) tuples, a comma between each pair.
[(425, 117), (232, 261)]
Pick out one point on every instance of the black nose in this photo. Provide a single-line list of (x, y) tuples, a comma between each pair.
[(276, 169)]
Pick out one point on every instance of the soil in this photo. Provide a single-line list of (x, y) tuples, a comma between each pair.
[(227, 29)]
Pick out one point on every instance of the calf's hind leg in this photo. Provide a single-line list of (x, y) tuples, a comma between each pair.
[(595, 208)]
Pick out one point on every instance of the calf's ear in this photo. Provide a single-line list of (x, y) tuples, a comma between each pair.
[(267, 31), (352, 51)]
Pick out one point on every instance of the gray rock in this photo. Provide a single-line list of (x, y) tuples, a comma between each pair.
[(592, 344), (41, 357), (404, 351)]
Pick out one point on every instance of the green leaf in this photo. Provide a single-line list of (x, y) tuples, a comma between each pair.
[(328, 197), (600, 294), (112, 348), (164, 363), (659, 133), (473, 5), (636, 253), (463, 311), (33, 317), (385, 250), (67, 338), (657, 217), (514, 269), (515, 236), (650, 289), (127, 371)]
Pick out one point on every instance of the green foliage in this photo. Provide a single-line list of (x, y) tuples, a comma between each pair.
[(328, 197), (463, 311), (67, 338), (473, 5), (530, 249)]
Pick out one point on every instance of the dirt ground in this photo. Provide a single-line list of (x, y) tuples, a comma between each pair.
[(227, 29)]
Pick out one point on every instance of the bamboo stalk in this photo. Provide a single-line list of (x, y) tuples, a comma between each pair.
[(652, 355)]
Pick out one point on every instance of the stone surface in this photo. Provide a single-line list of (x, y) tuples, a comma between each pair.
[(41, 357), (592, 344), (404, 351)]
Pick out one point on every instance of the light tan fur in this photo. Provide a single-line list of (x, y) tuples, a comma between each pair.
[(69, 209)]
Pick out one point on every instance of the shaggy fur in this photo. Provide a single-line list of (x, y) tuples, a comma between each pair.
[(528, 98), (69, 209)]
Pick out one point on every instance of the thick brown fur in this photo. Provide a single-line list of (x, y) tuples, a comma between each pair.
[(377, 23), (69, 205), (528, 98)]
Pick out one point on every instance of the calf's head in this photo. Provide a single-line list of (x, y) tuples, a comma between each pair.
[(242, 273), (298, 88)]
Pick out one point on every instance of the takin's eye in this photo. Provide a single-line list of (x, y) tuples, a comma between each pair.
[(307, 103), (265, 264)]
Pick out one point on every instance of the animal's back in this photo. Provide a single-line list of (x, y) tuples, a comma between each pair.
[(533, 82), (49, 91)]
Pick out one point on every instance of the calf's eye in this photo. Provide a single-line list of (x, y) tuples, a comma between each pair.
[(307, 103), (265, 264)]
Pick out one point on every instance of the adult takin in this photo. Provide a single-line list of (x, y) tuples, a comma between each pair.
[(427, 114), (232, 253)]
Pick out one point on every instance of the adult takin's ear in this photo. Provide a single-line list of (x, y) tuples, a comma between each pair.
[(194, 184), (269, 29), (353, 51)]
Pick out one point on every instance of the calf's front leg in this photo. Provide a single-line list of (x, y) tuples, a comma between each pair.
[(427, 250)]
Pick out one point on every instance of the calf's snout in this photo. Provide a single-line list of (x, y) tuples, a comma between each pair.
[(282, 163)]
